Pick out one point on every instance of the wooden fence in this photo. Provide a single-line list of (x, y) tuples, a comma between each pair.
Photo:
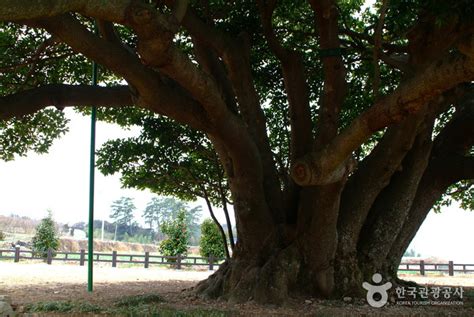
[(145, 259), (449, 267), (179, 261)]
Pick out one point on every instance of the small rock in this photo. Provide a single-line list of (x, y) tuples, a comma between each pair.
[(6, 310), (308, 302), (347, 299), (56, 292)]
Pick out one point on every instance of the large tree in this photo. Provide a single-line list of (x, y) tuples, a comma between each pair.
[(337, 129)]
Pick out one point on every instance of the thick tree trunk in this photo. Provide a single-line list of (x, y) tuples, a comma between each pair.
[(308, 255), (294, 259)]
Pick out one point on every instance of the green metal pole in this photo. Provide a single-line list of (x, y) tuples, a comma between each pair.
[(90, 249)]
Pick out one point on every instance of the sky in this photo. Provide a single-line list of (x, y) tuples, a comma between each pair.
[(59, 181)]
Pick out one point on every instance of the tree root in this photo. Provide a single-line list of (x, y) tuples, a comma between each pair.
[(240, 281)]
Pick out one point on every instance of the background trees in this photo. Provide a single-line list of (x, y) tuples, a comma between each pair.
[(161, 210), (122, 214), (176, 161)]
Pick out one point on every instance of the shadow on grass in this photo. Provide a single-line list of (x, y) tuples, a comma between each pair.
[(139, 305)]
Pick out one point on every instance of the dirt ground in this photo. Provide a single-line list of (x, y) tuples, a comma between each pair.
[(29, 283)]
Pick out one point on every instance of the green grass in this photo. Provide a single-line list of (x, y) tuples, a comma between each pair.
[(139, 300), (468, 298), (145, 310), (140, 305), (63, 307)]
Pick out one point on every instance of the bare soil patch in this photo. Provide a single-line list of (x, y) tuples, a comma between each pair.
[(30, 283)]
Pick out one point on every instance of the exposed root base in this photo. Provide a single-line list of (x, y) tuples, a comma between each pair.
[(283, 274), (240, 281)]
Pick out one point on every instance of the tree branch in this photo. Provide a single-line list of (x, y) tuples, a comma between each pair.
[(266, 9), (334, 89), (392, 205), (439, 175), (214, 67), (179, 9), (60, 96), (107, 31), (151, 91), (20, 10), (155, 31), (295, 84), (378, 48), (376, 171), (319, 167), (371, 176), (392, 48), (447, 166), (236, 57)]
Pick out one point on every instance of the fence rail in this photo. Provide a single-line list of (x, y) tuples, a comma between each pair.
[(179, 261), (145, 259), (449, 267)]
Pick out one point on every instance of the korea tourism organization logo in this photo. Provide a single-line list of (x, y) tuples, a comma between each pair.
[(377, 294)]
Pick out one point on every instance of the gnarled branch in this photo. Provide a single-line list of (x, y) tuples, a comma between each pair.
[(20, 10), (335, 87), (318, 167), (150, 90), (60, 96)]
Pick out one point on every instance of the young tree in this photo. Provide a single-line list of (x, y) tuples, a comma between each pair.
[(177, 234), (211, 240), (337, 129), (46, 236)]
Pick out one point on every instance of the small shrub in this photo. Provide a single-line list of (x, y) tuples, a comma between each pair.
[(2, 235), (46, 237), (177, 236), (211, 240)]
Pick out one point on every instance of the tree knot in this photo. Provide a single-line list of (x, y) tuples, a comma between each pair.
[(301, 173)]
